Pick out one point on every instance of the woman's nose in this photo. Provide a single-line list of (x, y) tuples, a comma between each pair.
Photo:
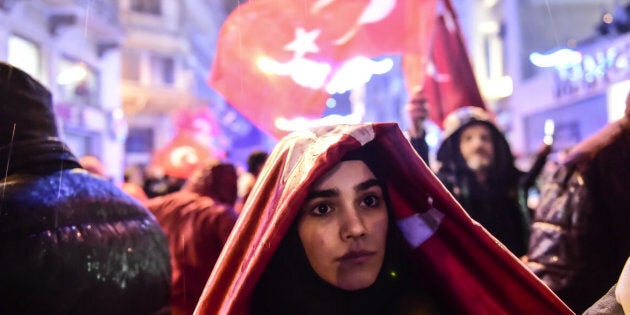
[(353, 225)]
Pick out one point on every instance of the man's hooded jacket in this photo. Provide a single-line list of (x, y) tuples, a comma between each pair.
[(494, 204)]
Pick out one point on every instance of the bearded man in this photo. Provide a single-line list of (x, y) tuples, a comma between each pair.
[(477, 166)]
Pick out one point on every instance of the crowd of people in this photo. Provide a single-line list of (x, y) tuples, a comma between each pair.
[(345, 219)]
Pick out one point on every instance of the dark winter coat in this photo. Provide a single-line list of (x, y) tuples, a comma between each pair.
[(581, 232), (70, 243)]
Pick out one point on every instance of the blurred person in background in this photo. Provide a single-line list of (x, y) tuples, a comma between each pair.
[(155, 183), (580, 239), (197, 221), (246, 180), (70, 243), (477, 166), (132, 180), (417, 112)]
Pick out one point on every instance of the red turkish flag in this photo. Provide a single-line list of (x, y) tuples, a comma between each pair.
[(181, 156), (275, 57), (446, 73)]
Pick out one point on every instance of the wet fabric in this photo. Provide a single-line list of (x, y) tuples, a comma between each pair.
[(454, 256)]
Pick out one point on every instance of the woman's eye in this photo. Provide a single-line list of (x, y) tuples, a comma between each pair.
[(321, 209), (371, 201)]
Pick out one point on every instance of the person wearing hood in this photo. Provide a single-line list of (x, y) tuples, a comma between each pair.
[(581, 232), (70, 242), (347, 219), (477, 166), (197, 221)]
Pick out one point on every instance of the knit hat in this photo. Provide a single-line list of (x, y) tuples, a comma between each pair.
[(26, 111), (463, 117)]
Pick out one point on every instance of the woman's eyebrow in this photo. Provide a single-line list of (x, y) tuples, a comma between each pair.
[(322, 194), (367, 184)]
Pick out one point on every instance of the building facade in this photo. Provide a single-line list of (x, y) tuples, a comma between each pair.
[(74, 52)]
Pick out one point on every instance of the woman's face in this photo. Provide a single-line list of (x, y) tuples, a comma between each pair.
[(343, 226)]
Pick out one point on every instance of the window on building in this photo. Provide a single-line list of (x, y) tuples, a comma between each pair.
[(147, 6), (139, 140), (77, 83), (162, 70), (131, 66), (26, 55)]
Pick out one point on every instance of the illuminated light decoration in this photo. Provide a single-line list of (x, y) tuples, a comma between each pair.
[(331, 103), (356, 72), (562, 58), (118, 113), (550, 128), (608, 18), (595, 67), (616, 100), (74, 74), (621, 63), (500, 87), (301, 123), (117, 125)]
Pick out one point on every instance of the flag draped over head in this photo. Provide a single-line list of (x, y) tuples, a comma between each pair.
[(275, 59), (445, 73), (460, 261)]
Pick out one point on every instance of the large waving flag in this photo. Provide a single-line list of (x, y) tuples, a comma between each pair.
[(275, 58), (446, 72), (280, 59)]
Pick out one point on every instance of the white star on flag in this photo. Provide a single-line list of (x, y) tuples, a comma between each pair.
[(303, 43)]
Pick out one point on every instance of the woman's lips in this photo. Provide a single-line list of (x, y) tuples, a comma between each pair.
[(356, 257)]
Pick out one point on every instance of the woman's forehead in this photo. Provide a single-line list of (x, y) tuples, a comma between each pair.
[(345, 173)]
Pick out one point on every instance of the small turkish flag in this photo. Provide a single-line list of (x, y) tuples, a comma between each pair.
[(181, 156)]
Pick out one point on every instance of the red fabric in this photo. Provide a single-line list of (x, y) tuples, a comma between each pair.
[(264, 28), (197, 221), (467, 265), (448, 79)]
